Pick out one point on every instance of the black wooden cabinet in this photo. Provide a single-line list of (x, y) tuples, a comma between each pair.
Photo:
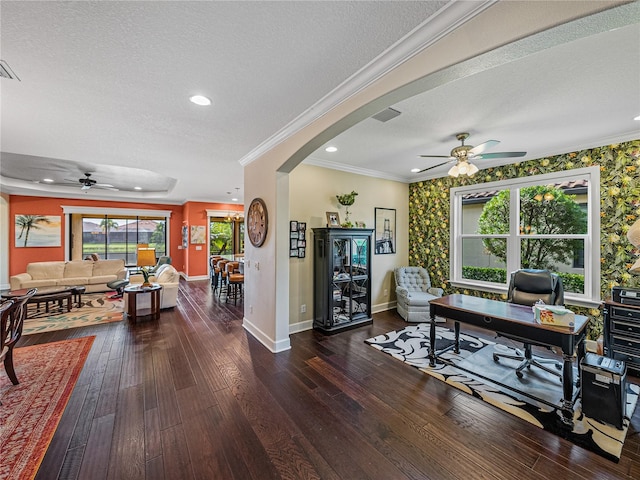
[(342, 278), (622, 333)]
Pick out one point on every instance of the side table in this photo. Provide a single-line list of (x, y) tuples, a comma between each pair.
[(132, 292)]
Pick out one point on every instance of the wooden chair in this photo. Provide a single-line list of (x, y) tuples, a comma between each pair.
[(214, 271), (11, 325), (223, 274), (234, 286)]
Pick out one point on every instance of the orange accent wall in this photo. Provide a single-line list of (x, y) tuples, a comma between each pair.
[(190, 261), (195, 213)]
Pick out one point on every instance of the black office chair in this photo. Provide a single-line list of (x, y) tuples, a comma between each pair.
[(526, 287)]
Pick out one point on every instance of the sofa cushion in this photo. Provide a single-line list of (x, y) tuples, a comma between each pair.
[(38, 283), (78, 268), (419, 299), (73, 281), (107, 267), (46, 270), (95, 280)]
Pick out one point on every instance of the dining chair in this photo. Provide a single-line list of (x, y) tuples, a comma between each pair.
[(11, 330)]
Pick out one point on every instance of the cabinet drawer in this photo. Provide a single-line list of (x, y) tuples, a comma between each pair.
[(620, 326), (631, 359), (629, 314), (626, 342)]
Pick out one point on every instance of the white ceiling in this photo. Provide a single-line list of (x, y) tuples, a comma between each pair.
[(104, 88)]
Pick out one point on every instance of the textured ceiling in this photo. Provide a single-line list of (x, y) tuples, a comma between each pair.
[(107, 83), (104, 88)]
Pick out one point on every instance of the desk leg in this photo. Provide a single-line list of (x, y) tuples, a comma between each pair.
[(567, 389), (432, 342)]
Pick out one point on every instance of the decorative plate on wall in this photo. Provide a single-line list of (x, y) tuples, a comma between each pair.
[(257, 222)]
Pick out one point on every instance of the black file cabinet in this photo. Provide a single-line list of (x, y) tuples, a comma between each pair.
[(342, 278), (622, 333)]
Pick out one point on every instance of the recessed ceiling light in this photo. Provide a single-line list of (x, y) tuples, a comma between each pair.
[(637, 118), (137, 188), (331, 149), (48, 180), (415, 170), (200, 100), (234, 199)]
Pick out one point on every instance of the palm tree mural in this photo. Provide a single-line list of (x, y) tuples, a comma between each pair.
[(26, 223)]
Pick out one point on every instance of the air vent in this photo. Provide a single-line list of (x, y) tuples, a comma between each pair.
[(6, 72), (386, 114)]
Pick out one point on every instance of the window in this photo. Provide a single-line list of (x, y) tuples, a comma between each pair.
[(547, 221), (117, 236), (226, 236)]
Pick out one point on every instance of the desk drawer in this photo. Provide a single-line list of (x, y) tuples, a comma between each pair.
[(621, 326), (631, 359), (626, 342), (629, 314)]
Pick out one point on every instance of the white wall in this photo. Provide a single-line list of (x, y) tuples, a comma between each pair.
[(312, 193), (4, 241)]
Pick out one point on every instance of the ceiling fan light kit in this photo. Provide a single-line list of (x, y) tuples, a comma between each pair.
[(463, 153)]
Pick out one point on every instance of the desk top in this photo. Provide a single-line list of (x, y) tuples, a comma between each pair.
[(510, 312)]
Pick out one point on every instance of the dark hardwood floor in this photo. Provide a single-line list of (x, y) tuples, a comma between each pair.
[(194, 396)]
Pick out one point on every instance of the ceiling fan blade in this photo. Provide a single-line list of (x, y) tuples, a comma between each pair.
[(103, 185), (435, 156), (435, 166), (500, 155), (483, 146)]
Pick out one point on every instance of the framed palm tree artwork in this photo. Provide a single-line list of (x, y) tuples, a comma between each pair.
[(38, 230)]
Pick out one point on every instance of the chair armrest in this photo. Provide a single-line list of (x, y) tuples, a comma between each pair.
[(16, 280), (122, 274), (435, 291), (402, 292)]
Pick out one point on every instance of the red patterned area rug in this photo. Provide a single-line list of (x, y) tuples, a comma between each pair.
[(30, 411)]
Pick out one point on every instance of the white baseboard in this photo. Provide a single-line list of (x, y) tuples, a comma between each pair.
[(264, 339), (300, 326), (194, 278)]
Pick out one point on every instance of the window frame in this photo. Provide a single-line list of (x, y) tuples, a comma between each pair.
[(592, 292)]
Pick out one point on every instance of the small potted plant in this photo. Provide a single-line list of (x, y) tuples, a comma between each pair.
[(145, 274), (347, 200)]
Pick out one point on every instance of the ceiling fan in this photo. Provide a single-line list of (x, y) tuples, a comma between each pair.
[(463, 153), (87, 182)]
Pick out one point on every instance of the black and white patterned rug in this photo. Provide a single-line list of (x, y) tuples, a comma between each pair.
[(497, 384)]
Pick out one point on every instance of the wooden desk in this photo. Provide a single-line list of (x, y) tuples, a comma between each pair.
[(132, 293), (516, 321)]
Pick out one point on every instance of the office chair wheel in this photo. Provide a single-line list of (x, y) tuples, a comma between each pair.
[(519, 374), (495, 357), (558, 366)]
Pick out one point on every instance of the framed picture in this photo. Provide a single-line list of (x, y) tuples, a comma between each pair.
[(333, 219), (385, 230), (38, 230), (198, 234), (297, 239), (185, 236)]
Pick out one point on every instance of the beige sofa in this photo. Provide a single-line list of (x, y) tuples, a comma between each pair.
[(94, 275), (168, 277)]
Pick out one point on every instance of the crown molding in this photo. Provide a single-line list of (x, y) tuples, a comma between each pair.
[(357, 170), (446, 20)]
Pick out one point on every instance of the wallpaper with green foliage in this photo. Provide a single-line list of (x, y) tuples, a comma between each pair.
[(619, 209)]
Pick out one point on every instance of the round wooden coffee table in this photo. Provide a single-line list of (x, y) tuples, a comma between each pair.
[(132, 292)]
